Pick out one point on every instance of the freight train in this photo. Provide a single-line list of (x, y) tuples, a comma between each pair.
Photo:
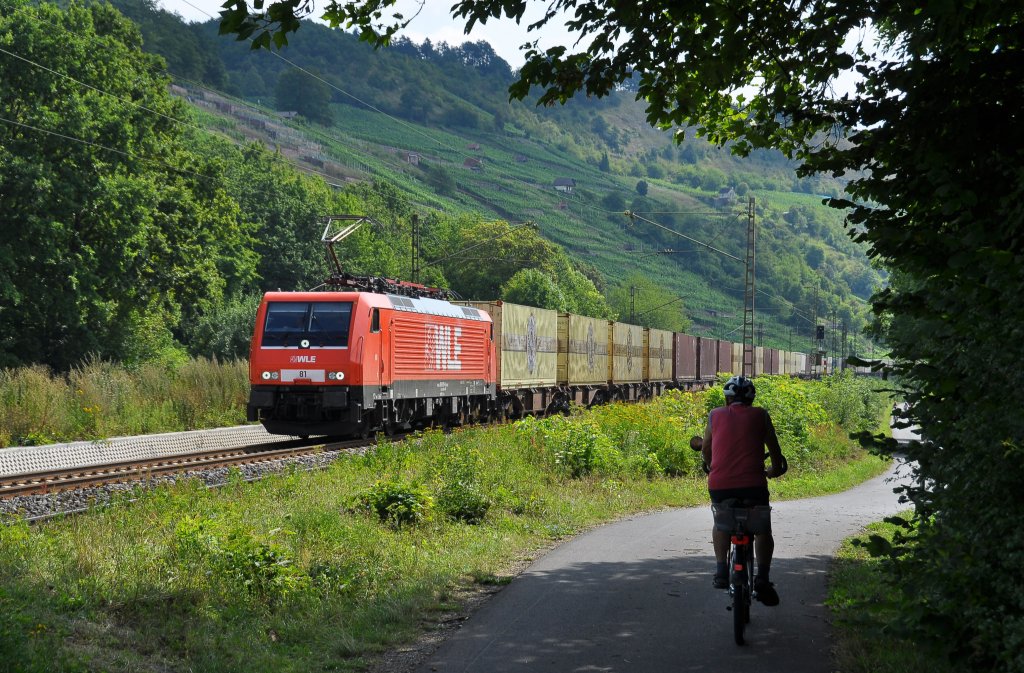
[(354, 359)]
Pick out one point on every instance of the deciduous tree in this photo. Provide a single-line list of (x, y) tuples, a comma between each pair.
[(110, 225)]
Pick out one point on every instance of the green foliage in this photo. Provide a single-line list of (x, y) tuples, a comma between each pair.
[(457, 473), (396, 502), (305, 93), (866, 607), (649, 303), (225, 331), (653, 439), (122, 230), (852, 402), (263, 571), (574, 447), (533, 288), (100, 399)]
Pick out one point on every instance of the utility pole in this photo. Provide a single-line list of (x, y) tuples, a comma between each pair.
[(748, 295), (844, 347), (760, 333), (832, 351), (815, 338), (632, 304), (415, 248)]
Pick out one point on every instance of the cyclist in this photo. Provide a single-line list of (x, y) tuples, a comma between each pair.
[(733, 446)]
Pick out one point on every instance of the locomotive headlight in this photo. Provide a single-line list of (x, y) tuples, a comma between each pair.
[(339, 376), (274, 375), (266, 376)]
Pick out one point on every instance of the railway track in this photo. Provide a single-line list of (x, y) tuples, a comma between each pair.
[(58, 480)]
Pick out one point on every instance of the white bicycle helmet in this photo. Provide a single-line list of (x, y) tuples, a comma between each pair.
[(741, 388)]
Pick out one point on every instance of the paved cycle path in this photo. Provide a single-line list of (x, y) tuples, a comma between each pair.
[(635, 596)]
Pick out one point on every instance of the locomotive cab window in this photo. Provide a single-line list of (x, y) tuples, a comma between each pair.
[(375, 321), (323, 324)]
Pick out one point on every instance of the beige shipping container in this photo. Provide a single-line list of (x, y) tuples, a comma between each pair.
[(737, 359), (758, 361), (526, 339), (657, 355), (627, 364), (582, 350)]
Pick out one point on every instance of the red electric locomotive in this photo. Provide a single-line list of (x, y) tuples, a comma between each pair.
[(345, 362)]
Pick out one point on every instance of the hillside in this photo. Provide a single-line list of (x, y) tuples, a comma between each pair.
[(435, 122)]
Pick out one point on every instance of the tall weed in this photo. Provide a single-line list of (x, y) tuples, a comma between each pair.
[(98, 399)]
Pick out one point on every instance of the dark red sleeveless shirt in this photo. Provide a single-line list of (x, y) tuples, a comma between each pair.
[(737, 446)]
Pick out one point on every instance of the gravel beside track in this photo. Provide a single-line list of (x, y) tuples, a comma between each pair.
[(34, 507)]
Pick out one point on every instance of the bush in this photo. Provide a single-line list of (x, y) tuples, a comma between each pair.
[(262, 571), (456, 471), (396, 502), (575, 446)]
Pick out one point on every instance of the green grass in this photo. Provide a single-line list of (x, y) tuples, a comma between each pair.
[(861, 599), (98, 400), (299, 573)]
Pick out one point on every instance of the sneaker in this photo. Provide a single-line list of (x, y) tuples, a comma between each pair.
[(765, 592), (720, 582)]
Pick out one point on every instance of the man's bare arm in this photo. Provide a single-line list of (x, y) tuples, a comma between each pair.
[(706, 447), (771, 440)]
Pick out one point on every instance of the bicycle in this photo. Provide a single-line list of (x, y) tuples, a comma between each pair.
[(742, 520)]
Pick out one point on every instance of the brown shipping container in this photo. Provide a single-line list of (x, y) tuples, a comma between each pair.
[(627, 363), (707, 358), (526, 339), (724, 357), (684, 364), (582, 350), (657, 355), (771, 361)]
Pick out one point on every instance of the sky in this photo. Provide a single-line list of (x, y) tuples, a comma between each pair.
[(433, 21)]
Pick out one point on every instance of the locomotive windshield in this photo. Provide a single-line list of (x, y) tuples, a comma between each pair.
[(322, 324)]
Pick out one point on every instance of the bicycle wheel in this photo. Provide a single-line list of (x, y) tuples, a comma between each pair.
[(740, 612), (750, 583), (740, 586)]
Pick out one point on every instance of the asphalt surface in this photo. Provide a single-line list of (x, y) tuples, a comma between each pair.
[(636, 596)]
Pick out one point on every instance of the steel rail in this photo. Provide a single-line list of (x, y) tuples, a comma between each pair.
[(69, 479)]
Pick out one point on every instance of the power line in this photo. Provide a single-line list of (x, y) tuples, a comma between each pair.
[(124, 100), (104, 147), (633, 215)]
